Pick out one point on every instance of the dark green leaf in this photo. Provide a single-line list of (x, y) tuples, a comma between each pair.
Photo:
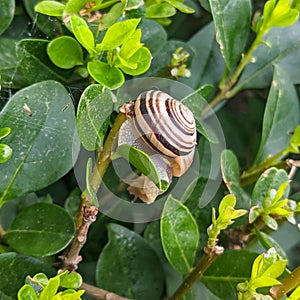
[(271, 179), (154, 35), (179, 235), (142, 57), (232, 23), (6, 13), (231, 176), (34, 64), (141, 161), (126, 263), (111, 77), (65, 52), (207, 65), (13, 270), (41, 229), (118, 33), (5, 153), (160, 10), (284, 51), (227, 271), (43, 139), (83, 33), (94, 109), (50, 8), (279, 119)]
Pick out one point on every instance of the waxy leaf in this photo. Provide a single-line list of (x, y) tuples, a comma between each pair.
[(111, 77), (279, 119), (94, 109), (5, 131), (27, 292), (118, 33), (41, 229), (43, 139), (5, 153), (181, 6), (232, 22), (65, 52), (126, 263), (179, 235), (160, 10), (50, 8), (6, 13), (13, 270)]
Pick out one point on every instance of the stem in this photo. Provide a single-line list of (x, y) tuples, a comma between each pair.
[(225, 91), (206, 260), (100, 294), (287, 284)]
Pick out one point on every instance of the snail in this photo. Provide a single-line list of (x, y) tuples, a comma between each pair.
[(165, 129)]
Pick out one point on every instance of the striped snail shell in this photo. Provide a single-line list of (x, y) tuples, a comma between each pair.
[(168, 127)]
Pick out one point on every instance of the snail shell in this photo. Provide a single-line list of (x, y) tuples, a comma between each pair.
[(168, 127)]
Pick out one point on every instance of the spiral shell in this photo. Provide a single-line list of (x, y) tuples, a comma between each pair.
[(167, 126)]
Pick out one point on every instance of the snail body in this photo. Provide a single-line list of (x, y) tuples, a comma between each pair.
[(165, 129)]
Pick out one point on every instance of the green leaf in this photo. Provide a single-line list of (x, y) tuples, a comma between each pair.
[(232, 23), (50, 289), (112, 16), (44, 142), (65, 52), (279, 118), (131, 45), (295, 141), (83, 33), (295, 294), (160, 10), (34, 64), (117, 34), (179, 235), (6, 14), (231, 176), (4, 131), (181, 6), (41, 229), (141, 161), (74, 6), (93, 113), (126, 263), (50, 8), (227, 271), (5, 153), (111, 77), (27, 293), (89, 186), (70, 280), (270, 222), (272, 179), (142, 57), (13, 270)]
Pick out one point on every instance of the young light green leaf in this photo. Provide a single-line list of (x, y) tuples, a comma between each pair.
[(279, 119), (5, 153), (131, 45), (6, 14), (181, 6), (179, 235), (65, 52), (50, 289), (70, 280), (142, 59), (295, 141), (93, 114), (141, 161), (160, 10), (50, 8), (45, 140), (4, 131), (295, 295), (27, 292), (112, 16), (126, 263), (88, 182), (48, 225), (111, 77), (73, 7), (232, 23), (117, 34), (83, 33)]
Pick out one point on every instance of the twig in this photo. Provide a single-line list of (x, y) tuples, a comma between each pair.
[(209, 256), (287, 284), (100, 294), (72, 258)]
